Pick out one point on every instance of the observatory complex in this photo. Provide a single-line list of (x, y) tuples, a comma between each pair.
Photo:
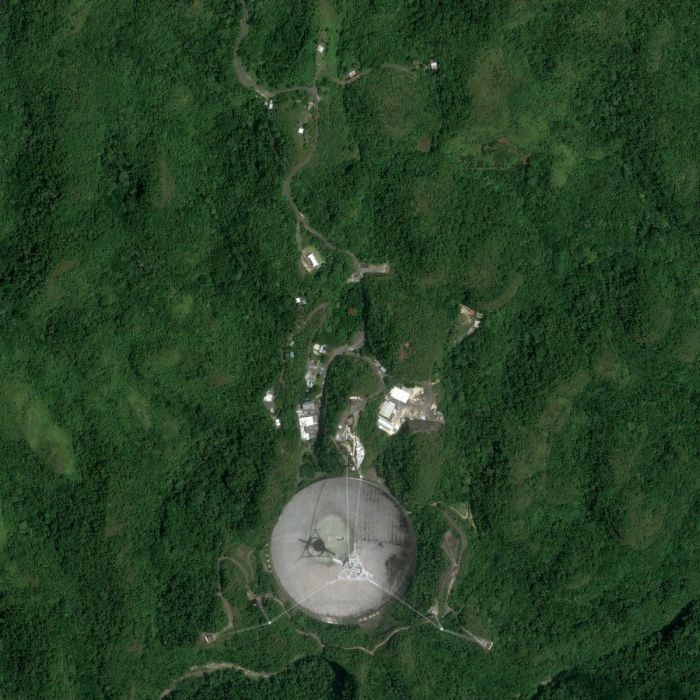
[(342, 550)]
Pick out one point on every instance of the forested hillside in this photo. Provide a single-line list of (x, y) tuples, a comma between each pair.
[(546, 174)]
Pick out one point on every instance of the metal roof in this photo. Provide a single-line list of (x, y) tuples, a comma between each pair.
[(400, 394), (386, 410)]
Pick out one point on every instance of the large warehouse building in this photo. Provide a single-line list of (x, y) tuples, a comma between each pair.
[(342, 550)]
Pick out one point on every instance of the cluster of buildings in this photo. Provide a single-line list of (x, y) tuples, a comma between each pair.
[(308, 413), (315, 367), (407, 404), (469, 318)]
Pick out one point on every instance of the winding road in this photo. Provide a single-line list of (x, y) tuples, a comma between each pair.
[(359, 270), (247, 80)]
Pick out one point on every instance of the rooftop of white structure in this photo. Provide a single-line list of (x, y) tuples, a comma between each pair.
[(342, 550)]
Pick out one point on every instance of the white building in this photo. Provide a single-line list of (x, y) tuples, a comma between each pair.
[(306, 424), (400, 394), (269, 401), (320, 48), (387, 418), (359, 452), (300, 130), (403, 404), (433, 64)]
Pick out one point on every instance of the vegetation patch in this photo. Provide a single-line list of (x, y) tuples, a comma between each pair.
[(544, 174)]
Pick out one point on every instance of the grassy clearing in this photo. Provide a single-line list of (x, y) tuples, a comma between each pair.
[(166, 183), (552, 421), (330, 21), (643, 520), (402, 104), (27, 414), (336, 145), (689, 349), (508, 294)]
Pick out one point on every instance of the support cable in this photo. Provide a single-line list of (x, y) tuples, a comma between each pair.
[(285, 611), (430, 621)]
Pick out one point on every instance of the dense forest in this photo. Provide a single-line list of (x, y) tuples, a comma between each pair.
[(546, 174)]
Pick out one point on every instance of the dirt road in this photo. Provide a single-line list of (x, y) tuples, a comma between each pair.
[(247, 80), (199, 671), (454, 548)]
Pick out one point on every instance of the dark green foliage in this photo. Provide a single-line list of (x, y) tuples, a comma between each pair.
[(398, 465), (281, 41), (311, 677), (344, 317), (140, 289), (664, 664), (546, 175), (428, 527)]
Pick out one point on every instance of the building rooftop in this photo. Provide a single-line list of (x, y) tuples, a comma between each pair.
[(404, 404), (307, 415), (311, 260), (401, 394), (386, 410)]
